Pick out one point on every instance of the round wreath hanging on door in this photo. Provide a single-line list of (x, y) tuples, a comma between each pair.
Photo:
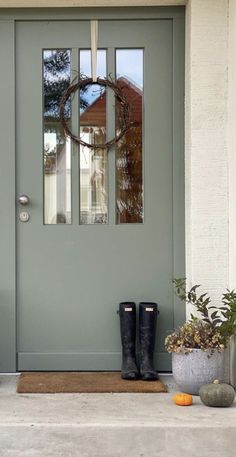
[(82, 83), (119, 96)]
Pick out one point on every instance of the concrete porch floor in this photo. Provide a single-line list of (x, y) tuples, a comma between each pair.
[(111, 425)]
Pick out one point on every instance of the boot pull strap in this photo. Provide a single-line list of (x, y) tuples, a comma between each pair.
[(150, 309), (127, 309)]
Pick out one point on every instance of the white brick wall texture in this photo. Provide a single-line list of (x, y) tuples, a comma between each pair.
[(206, 145), (232, 142)]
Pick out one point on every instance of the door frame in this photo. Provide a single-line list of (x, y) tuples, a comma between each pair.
[(8, 19)]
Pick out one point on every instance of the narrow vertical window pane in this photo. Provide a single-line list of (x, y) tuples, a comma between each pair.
[(57, 149), (129, 177), (93, 163)]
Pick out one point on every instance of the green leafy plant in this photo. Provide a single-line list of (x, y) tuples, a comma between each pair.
[(228, 311), (200, 302), (211, 328)]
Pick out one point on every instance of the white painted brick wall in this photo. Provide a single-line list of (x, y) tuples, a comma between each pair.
[(206, 145), (232, 167), (232, 142)]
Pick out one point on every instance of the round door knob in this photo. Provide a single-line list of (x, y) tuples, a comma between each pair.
[(24, 199)]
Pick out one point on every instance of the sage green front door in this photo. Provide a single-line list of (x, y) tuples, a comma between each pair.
[(100, 227)]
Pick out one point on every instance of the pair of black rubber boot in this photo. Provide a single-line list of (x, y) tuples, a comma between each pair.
[(147, 332)]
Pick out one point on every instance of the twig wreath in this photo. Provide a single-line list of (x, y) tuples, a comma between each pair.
[(119, 96)]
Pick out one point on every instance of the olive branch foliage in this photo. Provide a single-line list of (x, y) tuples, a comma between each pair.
[(228, 310), (222, 319), (213, 326)]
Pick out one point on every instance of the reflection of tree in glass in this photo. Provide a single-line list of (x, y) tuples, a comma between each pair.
[(129, 177), (56, 81), (129, 159)]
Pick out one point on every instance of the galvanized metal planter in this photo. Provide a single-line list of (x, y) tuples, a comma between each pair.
[(191, 371)]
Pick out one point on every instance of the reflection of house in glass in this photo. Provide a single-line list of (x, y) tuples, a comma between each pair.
[(57, 174), (93, 164)]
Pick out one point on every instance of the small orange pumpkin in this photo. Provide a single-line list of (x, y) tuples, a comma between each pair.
[(183, 399)]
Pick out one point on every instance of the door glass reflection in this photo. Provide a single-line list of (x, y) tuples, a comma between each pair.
[(129, 156), (57, 148), (93, 163)]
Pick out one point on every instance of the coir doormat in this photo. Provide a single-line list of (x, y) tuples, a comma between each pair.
[(84, 382)]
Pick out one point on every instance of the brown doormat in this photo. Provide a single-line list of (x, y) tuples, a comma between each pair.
[(83, 382)]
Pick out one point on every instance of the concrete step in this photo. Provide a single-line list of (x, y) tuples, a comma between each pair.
[(111, 425)]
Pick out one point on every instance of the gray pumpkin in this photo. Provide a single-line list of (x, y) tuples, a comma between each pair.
[(216, 394)]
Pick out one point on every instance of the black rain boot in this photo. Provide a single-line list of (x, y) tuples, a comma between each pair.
[(127, 312), (147, 332)]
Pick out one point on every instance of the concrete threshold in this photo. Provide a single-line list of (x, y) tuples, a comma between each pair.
[(111, 425)]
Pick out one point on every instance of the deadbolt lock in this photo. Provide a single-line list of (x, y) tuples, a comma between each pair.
[(24, 216)]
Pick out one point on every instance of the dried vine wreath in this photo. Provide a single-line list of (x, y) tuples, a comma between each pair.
[(124, 110)]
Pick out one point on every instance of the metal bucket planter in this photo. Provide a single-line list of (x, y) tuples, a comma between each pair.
[(191, 371)]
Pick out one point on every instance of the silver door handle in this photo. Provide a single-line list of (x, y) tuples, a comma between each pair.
[(24, 200)]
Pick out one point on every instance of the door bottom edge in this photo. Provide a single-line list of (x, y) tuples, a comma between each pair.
[(29, 361)]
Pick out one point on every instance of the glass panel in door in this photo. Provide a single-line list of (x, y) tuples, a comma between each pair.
[(57, 148), (93, 162), (129, 151)]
